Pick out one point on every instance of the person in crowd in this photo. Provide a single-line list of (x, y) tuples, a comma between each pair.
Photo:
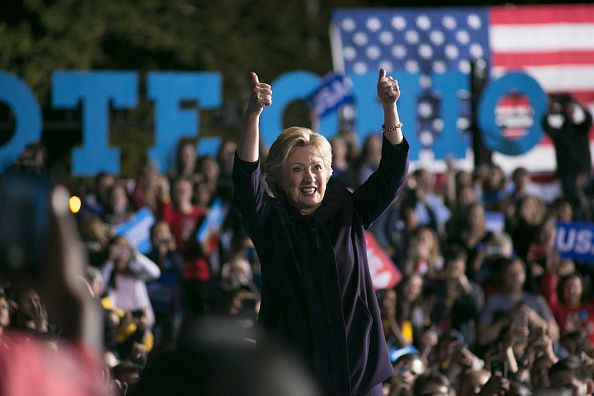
[(561, 210), (407, 369), (512, 304), (431, 211), (411, 311), (569, 302), (495, 188), (570, 374), (184, 218), (539, 372), (370, 157), (472, 235), (522, 186), (151, 189), (225, 156), (568, 123), (497, 249), (343, 175), (95, 238), (392, 331), (451, 356), (457, 180), (432, 383), (186, 165), (317, 293), (459, 300), (472, 382), (125, 275), (33, 158), (164, 292), (423, 254), (119, 207), (31, 314), (523, 227), (97, 200), (209, 172)]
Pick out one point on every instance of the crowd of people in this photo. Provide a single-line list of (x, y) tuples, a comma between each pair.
[(479, 309)]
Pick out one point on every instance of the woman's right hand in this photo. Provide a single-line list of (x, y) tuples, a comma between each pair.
[(260, 97)]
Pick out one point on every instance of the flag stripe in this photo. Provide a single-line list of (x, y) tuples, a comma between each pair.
[(556, 79), (517, 60), (537, 38), (545, 14)]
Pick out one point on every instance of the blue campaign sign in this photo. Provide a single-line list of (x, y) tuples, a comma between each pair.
[(138, 229), (576, 241), (334, 91), (494, 222), (213, 222)]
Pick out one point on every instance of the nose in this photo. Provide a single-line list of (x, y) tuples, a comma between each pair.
[(308, 176)]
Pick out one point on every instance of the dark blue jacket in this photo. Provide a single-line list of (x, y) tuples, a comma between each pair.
[(317, 294)]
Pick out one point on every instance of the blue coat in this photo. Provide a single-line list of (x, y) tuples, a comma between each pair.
[(317, 294)]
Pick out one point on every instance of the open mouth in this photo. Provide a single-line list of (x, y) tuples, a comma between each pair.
[(308, 190)]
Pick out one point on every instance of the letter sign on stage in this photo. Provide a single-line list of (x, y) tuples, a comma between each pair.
[(95, 90), (167, 90), (21, 101), (511, 83)]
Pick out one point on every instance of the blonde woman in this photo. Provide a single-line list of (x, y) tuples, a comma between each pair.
[(317, 294)]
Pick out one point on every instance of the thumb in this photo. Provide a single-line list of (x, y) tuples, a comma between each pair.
[(382, 73), (255, 80)]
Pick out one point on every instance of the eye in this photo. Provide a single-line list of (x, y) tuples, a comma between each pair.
[(317, 167), (297, 169)]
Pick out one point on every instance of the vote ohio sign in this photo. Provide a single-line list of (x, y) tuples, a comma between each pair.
[(97, 92)]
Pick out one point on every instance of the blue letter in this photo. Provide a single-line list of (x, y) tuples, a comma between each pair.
[(95, 90), (448, 86), (369, 110), (27, 114), (167, 89), (285, 89), (514, 82)]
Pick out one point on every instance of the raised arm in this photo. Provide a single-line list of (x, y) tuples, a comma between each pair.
[(261, 96), (388, 93), (382, 186)]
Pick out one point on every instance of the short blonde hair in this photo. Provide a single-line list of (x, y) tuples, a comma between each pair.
[(283, 146)]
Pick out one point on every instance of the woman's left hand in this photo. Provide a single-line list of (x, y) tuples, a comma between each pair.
[(388, 91)]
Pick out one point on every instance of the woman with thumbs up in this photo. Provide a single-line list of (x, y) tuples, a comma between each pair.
[(317, 293)]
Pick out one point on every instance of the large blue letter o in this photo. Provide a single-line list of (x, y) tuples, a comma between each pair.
[(514, 82)]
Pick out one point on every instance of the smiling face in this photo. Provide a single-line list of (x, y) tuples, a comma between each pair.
[(572, 291), (304, 179)]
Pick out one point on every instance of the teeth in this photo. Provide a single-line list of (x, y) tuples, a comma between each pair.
[(308, 189)]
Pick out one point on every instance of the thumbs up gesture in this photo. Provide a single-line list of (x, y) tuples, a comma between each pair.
[(388, 91), (261, 95)]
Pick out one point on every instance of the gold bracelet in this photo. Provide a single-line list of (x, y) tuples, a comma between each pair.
[(391, 129)]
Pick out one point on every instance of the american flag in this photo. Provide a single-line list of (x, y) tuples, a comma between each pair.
[(552, 43)]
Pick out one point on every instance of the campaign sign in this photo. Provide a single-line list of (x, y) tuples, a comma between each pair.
[(213, 222), (138, 229), (384, 273), (494, 222), (576, 241), (334, 91)]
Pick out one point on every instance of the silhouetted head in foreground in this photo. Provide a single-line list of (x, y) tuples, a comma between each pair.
[(214, 357)]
